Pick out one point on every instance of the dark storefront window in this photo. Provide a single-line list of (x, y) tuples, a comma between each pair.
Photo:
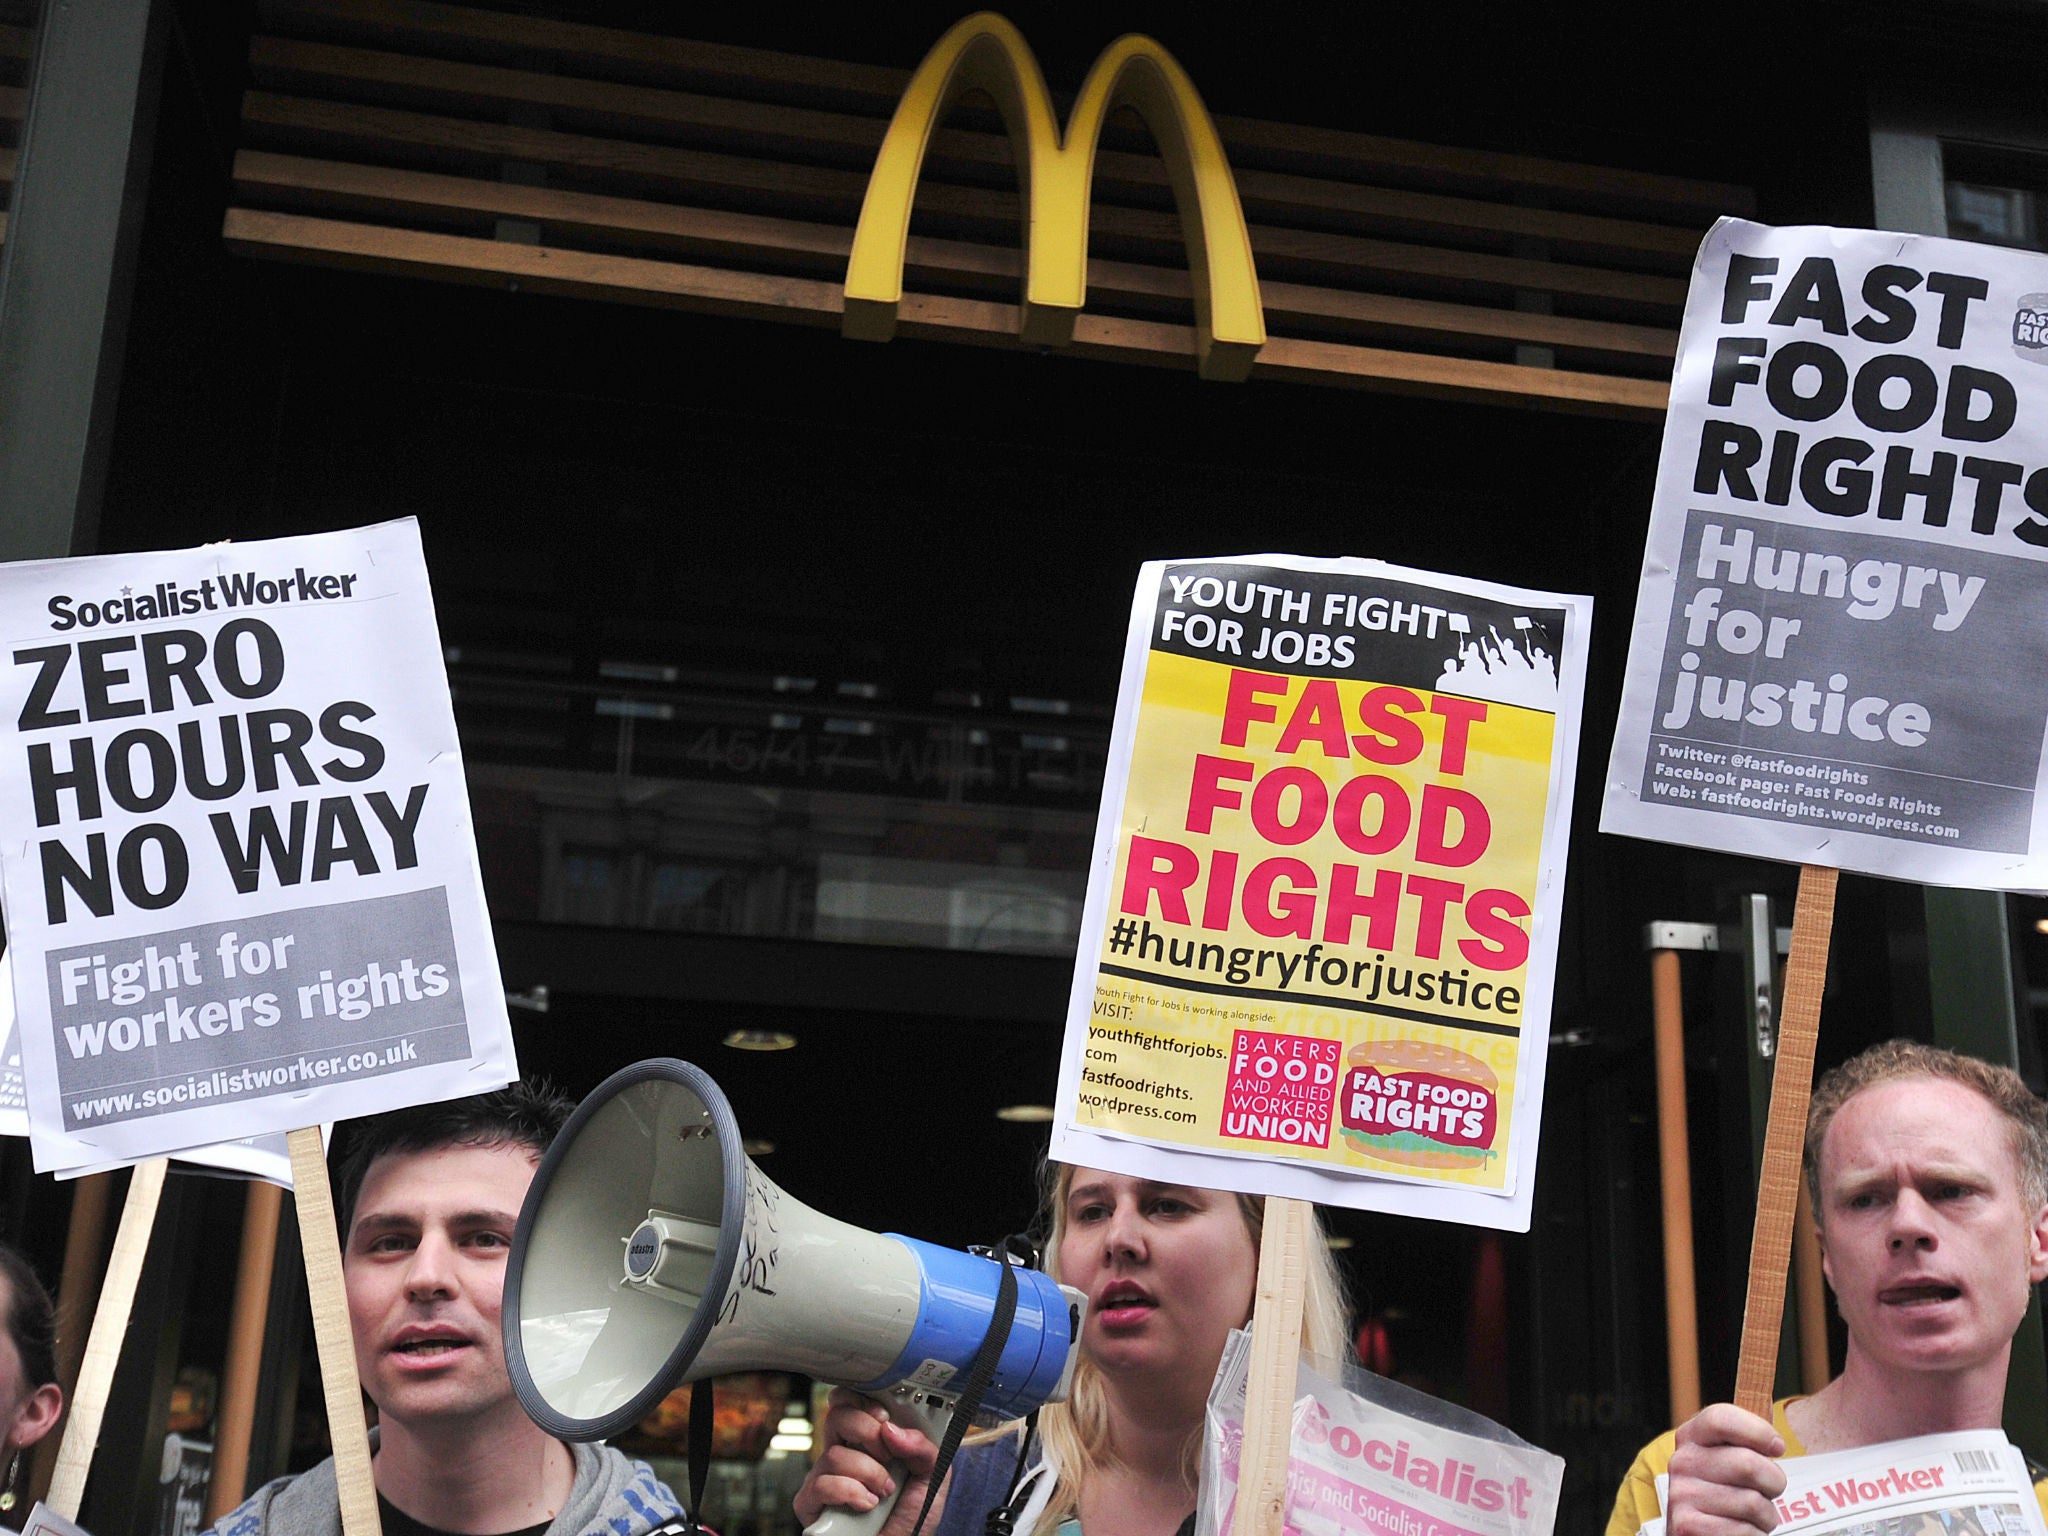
[(1995, 196), (779, 863)]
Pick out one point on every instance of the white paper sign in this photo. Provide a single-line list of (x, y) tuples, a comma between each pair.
[(1320, 939), (1837, 656), (240, 873), (13, 1090)]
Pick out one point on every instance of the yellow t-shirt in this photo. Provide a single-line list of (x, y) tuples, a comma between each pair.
[(1636, 1504)]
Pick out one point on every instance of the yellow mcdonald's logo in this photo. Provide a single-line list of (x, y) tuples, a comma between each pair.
[(986, 52)]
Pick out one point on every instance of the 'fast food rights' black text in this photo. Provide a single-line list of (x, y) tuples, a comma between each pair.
[(1799, 379)]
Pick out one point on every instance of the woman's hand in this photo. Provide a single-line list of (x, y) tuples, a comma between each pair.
[(853, 1470)]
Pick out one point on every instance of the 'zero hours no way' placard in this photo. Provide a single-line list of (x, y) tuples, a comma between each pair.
[(240, 873)]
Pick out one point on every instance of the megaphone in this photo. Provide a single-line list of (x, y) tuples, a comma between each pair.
[(652, 1252)]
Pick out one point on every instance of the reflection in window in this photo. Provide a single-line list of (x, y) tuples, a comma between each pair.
[(693, 857), (1994, 194), (679, 895), (715, 799), (586, 886), (1993, 215)]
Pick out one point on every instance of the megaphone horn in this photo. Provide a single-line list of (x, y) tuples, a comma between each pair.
[(651, 1252)]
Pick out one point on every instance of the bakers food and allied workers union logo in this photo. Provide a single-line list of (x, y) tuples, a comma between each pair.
[(2030, 328)]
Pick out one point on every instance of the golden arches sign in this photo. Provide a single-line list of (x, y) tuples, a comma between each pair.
[(986, 52)]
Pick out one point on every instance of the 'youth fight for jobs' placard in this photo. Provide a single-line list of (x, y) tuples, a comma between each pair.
[(240, 873), (1321, 928), (1837, 656)]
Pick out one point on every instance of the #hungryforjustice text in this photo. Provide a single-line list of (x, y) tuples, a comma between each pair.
[(1326, 977)]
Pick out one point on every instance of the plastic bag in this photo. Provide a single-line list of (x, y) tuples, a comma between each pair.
[(1370, 1457)]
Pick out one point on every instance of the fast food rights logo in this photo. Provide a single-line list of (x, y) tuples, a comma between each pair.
[(1417, 1105), (2030, 329)]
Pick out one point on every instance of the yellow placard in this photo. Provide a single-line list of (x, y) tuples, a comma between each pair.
[(1321, 930)]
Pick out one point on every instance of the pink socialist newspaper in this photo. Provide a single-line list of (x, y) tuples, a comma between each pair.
[(1970, 1484), (1370, 1457)]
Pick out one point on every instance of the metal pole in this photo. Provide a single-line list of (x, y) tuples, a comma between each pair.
[(67, 270), (1681, 1303)]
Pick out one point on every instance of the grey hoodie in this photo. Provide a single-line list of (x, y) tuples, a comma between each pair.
[(612, 1496)]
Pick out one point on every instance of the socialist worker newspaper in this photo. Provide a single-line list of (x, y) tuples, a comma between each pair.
[(241, 881), (1321, 927), (1371, 1457), (1837, 657), (1970, 1484)]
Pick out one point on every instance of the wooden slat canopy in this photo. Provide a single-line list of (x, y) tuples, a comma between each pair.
[(474, 146)]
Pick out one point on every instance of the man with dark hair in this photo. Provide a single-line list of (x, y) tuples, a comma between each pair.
[(523, 1114), (1928, 1176), (428, 1198)]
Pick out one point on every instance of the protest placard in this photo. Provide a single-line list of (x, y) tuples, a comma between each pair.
[(1834, 659), (240, 875), (1318, 947)]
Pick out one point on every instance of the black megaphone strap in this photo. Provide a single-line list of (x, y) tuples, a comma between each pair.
[(980, 1374), (701, 1410)]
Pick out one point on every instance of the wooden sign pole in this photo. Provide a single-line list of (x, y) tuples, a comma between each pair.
[(240, 1374), (339, 1385), (109, 1328), (1777, 1193), (1269, 1383)]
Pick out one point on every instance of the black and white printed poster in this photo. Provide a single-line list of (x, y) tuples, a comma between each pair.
[(1838, 656), (240, 872)]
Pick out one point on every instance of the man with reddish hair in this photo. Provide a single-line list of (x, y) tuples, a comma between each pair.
[(1928, 1175)]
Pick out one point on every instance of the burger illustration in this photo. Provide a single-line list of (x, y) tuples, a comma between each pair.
[(1408, 1104)]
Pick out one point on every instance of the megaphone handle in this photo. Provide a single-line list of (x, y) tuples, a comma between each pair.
[(913, 1408)]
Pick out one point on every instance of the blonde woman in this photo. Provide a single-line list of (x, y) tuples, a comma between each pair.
[(1169, 1270)]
